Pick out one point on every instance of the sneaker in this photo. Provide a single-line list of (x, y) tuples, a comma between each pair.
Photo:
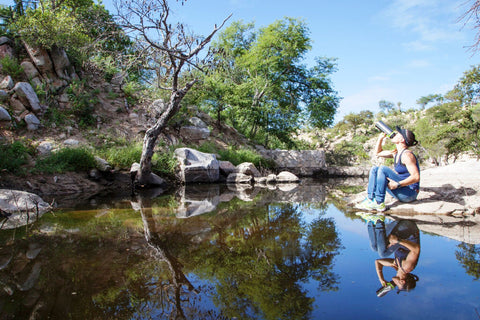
[(374, 218), (365, 204), (379, 207)]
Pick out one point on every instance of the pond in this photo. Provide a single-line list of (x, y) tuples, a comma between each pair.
[(212, 252)]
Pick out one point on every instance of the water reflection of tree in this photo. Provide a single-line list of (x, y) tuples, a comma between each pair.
[(258, 269), (469, 256)]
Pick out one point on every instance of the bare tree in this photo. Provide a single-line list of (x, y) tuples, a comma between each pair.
[(473, 14), (170, 52)]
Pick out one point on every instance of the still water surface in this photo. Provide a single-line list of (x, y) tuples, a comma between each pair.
[(215, 253)]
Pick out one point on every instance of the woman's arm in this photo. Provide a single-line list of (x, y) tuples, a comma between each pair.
[(379, 264), (379, 152), (410, 162)]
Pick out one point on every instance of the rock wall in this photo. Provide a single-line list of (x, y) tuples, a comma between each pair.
[(299, 162)]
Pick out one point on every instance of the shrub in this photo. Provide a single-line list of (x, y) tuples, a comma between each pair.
[(163, 163), (14, 156), (83, 102), (64, 160), (237, 156), (11, 67)]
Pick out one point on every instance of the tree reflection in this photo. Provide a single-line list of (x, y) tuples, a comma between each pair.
[(469, 256), (248, 260), (258, 269)]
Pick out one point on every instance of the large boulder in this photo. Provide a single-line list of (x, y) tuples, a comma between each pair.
[(286, 177), (196, 166), (27, 96), (21, 207), (249, 169), (4, 115)]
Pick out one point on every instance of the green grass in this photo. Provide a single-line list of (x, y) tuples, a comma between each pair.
[(64, 160), (14, 156), (237, 156), (163, 162)]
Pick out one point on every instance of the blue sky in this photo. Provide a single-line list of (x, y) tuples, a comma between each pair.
[(395, 50)]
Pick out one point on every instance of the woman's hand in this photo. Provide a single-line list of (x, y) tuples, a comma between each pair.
[(392, 184)]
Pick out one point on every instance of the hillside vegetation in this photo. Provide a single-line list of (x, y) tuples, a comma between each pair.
[(249, 90)]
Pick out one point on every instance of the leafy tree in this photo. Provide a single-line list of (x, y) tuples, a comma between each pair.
[(258, 81), (386, 106), (357, 119), (423, 101)]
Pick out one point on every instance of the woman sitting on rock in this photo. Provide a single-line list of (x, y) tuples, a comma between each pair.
[(402, 182)]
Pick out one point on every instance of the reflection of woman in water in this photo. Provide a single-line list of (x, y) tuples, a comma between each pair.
[(403, 241)]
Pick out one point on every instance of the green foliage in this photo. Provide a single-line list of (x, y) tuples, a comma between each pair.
[(468, 255), (346, 153), (64, 160), (123, 156), (237, 155), (83, 100), (259, 85), (47, 28), (10, 66), (14, 156)]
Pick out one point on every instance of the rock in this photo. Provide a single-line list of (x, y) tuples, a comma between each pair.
[(17, 106), (6, 49), (226, 168), (299, 162), (287, 177), (153, 179), (71, 142), (102, 164), (4, 115), (33, 251), (24, 207), (4, 40), (45, 148), (444, 190), (272, 178), (3, 95), (7, 83), (41, 59), (196, 166), (27, 96), (248, 168), (239, 178), (32, 122), (29, 69), (61, 62), (197, 122), (194, 133)]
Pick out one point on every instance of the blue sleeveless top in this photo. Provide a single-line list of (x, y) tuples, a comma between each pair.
[(407, 230), (402, 171)]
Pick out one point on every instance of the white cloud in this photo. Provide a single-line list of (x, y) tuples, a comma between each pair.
[(428, 21)]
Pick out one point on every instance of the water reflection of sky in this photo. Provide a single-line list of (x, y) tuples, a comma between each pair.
[(443, 292)]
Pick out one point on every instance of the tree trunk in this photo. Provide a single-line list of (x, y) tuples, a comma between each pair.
[(151, 136)]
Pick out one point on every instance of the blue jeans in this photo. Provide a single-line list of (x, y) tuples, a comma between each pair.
[(378, 239), (377, 186)]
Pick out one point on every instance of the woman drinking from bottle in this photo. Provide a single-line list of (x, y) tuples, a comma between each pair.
[(402, 182)]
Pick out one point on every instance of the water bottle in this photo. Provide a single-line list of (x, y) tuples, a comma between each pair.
[(385, 289), (385, 129)]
